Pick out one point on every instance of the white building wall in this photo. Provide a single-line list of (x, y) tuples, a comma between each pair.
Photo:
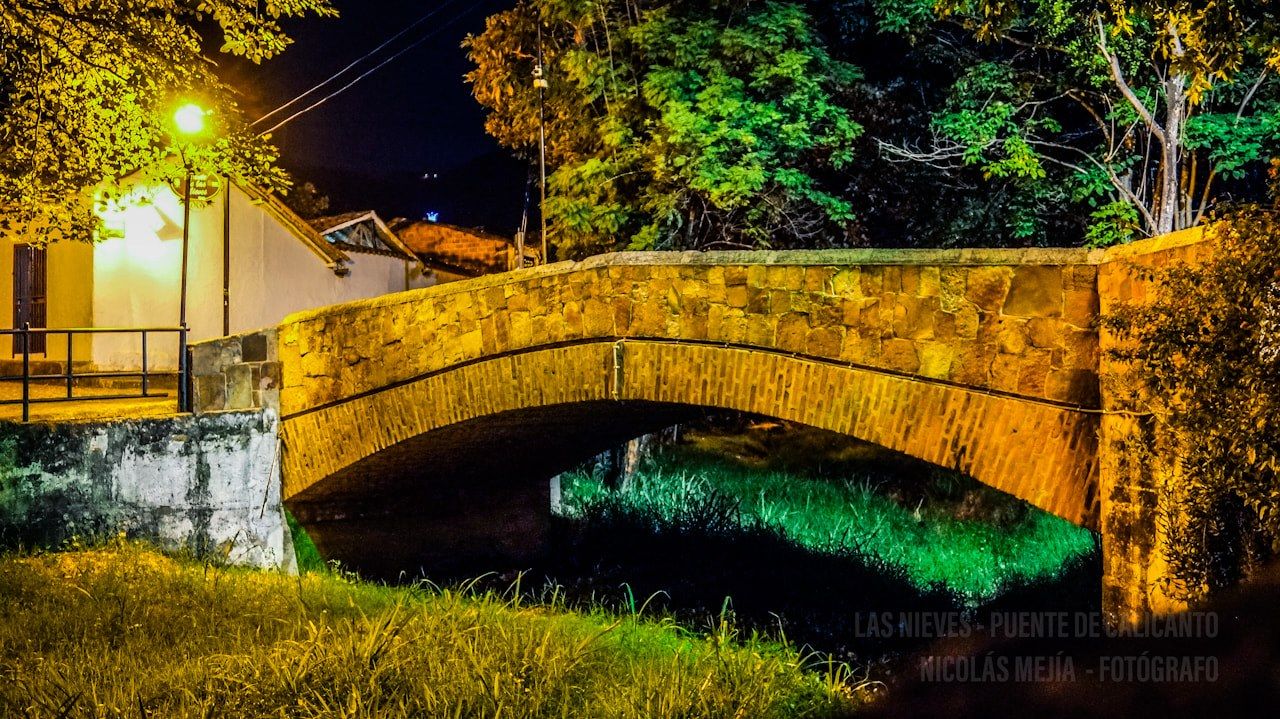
[(135, 280)]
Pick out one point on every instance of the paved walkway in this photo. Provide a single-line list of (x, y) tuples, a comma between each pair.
[(83, 409)]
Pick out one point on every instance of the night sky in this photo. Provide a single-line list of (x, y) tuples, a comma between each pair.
[(371, 146)]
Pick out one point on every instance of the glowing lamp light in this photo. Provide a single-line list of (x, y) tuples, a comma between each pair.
[(189, 119)]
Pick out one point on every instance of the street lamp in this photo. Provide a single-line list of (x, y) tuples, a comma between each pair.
[(189, 123)]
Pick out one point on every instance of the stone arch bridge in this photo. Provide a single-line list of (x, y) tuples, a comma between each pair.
[(415, 425)]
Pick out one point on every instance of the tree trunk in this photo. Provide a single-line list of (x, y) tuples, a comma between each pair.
[(1170, 195)]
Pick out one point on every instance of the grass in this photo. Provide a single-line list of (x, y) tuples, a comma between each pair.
[(123, 631), (928, 537), (304, 549)]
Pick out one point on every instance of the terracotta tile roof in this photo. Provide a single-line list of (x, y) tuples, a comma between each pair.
[(455, 248)]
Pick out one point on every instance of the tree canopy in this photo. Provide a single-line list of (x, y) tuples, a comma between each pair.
[(1147, 110), (676, 124), (968, 121), (88, 90)]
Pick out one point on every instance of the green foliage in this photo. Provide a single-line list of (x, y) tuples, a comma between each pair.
[(305, 551), (89, 89), (123, 631), (307, 201), (1157, 105), (975, 558), (687, 125), (1206, 352)]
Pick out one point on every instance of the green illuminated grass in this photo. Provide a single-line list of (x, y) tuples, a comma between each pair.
[(304, 550), (123, 631), (972, 557)]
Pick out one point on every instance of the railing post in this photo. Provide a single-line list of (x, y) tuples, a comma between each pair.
[(26, 371), (70, 370), (184, 372), (144, 363)]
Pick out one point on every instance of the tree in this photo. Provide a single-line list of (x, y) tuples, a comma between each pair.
[(1153, 108), (307, 200), (674, 123), (907, 79), (88, 90)]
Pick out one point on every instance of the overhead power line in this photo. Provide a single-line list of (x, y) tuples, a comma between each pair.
[(405, 30)]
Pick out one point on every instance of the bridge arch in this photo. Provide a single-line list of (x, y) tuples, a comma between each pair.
[(453, 465)]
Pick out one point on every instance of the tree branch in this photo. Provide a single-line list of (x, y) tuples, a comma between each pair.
[(1117, 75)]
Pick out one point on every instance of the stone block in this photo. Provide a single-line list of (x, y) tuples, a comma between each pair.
[(872, 281), (936, 359), (913, 317), (1080, 277), (1033, 373), (793, 330), (1044, 333), (972, 363), (847, 281), (268, 375), (1006, 370), (824, 342), (794, 278), (818, 279), (891, 279), (253, 347), (210, 393), (1072, 385), (860, 349), (762, 330), (987, 287), (900, 354), (1035, 292), (1012, 340), (779, 301), (240, 387), (1080, 307), (930, 284), (967, 321), (597, 319)]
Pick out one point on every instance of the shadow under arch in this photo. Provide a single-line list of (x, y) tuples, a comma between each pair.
[(450, 468)]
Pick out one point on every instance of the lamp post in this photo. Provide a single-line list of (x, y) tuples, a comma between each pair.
[(189, 121)]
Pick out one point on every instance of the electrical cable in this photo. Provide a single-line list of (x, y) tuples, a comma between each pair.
[(357, 61)]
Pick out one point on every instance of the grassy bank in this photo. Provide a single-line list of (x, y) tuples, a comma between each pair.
[(939, 530), (123, 631)]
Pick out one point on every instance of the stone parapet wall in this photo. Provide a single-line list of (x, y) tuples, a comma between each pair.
[(237, 372), (988, 319)]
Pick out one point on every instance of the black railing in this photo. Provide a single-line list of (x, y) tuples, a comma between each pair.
[(22, 338)]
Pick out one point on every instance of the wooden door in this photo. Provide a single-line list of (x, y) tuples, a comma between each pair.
[(30, 294)]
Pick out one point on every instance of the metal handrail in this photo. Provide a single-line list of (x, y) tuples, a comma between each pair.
[(70, 375)]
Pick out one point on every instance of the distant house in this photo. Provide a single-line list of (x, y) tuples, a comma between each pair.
[(459, 252), (252, 261)]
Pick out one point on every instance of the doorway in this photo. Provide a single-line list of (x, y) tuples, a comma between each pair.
[(30, 295)]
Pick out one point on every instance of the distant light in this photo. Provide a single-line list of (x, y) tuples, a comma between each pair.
[(433, 216), (189, 119)]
